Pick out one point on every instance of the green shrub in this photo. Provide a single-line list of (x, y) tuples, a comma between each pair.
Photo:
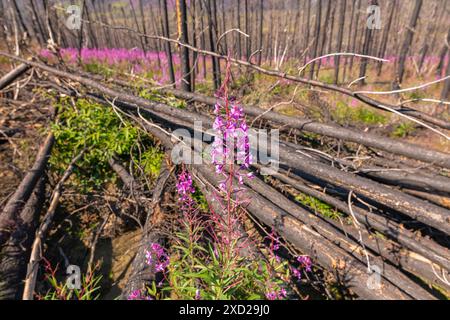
[(403, 130), (345, 114), (151, 161), (319, 206), (94, 127)]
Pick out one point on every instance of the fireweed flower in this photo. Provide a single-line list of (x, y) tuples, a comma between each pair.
[(271, 296), (157, 257), (276, 295), (137, 295), (305, 262), (185, 189), (184, 186), (231, 133)]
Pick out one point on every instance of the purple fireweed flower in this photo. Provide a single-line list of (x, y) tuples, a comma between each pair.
[(185, 189), (296, 273), (231, 133), (271, 296), (305, 262), (137, 295), (197, 294), (184, 185), (276, 295), (157, 257)]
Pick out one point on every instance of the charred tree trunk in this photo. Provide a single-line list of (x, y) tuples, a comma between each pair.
[(316, 36), (194, 71), (445, 95), (407, 42), (42, 35), (385, 37), (138, 29), (185, 65), (355, 35), (365, 50), (349, 37), (442, 53), (167, 44), (212, 44), (307, 31), (261, 24), (9, 215), (324, 35), (15, 253), (340, 38), (246, 24), (430, 30), (238, 21)]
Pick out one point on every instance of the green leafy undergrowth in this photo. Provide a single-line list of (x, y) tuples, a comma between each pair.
[(403, 129), (98, 68), (156, 96), (345, 114), (151, 161), (319, 206), (90, 126)]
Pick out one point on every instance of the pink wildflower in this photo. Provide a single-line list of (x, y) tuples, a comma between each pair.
[(157, 257)]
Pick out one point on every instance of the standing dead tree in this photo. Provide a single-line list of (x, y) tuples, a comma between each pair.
[(182, 27), (407, 42), (339, 39)]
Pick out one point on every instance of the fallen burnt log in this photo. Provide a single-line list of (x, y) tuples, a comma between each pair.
[(355, 240), (332, 130), (402, 176), (12, 208), (15, 253), (427, 249), (385, 144), (11, 76), (417, 209), (37, 247), (141, 273), (443, 201)]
